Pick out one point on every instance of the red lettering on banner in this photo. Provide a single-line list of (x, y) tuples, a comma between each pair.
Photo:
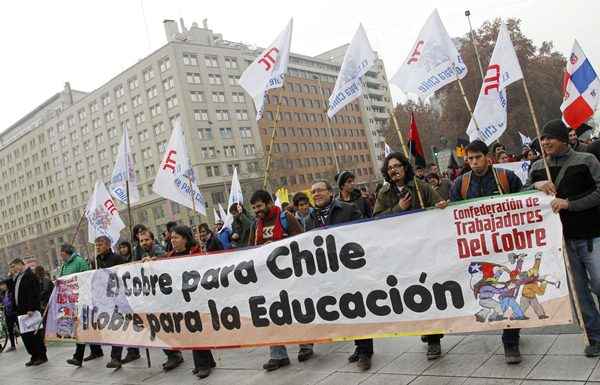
[(415, 56), (110, 206), (170, 162), (494, 80), (269, 60)]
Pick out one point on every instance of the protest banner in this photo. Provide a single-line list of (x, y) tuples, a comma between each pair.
[(478, 265)]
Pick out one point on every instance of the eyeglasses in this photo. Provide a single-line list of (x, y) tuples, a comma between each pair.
[(318, 190), (395, 167)]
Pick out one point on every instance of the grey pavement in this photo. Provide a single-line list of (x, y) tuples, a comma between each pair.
[(550, 356)]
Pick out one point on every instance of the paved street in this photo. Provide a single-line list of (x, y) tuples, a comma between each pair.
[(551, 356)]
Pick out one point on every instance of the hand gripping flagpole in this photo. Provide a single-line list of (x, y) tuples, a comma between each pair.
[(564, 248), (405, 150), (272, 141)]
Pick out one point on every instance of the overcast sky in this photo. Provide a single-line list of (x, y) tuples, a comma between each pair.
[(46, 43)]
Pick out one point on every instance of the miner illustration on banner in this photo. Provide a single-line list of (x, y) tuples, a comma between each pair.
[(358, 59), (102, 216), (432, 63), (176, 180), (489, 119), (268, 70)]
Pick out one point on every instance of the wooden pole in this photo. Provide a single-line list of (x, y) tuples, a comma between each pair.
[(329, 130), (549, 176), (405, 150), (272, 141)]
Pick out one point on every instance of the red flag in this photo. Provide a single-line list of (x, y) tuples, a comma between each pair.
[(414, 142)]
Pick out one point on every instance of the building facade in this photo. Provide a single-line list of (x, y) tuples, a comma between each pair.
[(51, 158)]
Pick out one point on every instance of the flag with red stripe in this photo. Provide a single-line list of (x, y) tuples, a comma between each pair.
[(414, 142)]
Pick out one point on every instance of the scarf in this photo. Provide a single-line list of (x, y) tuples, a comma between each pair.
[(322, 214), (274, 214)]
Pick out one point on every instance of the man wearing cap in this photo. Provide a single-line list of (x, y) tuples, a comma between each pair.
[(350, 194), (575, 183)]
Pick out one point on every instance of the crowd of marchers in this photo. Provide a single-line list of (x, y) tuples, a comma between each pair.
[(574, 183)]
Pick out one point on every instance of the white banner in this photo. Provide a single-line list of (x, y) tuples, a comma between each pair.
[(521, 169), (235, 192), (489, 117), (176, 180), (102, 215), (124, 171), (480, 265), (432, 63), (358, 59), (268, 70)]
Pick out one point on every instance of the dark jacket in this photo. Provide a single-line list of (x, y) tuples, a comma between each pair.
[(109, 259), (339, 212), (26, 296), (46, 287), (242, 225), (388, 198), (359, 202), (483, 186), (214, 244), (579, 183), (156, 251), (443, 189)]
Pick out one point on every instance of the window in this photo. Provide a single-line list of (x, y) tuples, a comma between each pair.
[(114, 149), (241, 114), (165, 64), (122, 108), (143, 135), (197, 96), (148, 73), (119, 91), (155, 110), (231, 63), (105, 171), (112, 132), (211, 61), (245, 132), (190, 59), (102, 154), (226, 132), (252, 166), (207, 152), (125, 124), (82, 115), (172, 102), (222, 115), (249, 149), (137, 101), (96, 123), (205, 133), (159, 128), (109, 116), (168, 83), (238, 97), (230, 151), (234, 80), (215, 79), (213, 171), (200, 114), (139, 118), (151, 92), (146, 153), (133, 83), (161, 146), (99, 138), (105, 100), (218, 97), (193, 78)]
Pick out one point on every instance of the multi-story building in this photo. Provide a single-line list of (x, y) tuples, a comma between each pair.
[(51, 158)]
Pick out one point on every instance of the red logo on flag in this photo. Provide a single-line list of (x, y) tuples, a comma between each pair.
[(269, 60), (493, 80), (416, 55), (110, 206), (170, 162)]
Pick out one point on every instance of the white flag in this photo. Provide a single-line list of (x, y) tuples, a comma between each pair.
[(268, 70), (525, 140), (358, 59), (226, 217), (521, 169), (386, 149), (123, 172), (216, 215), (235, 193), (490, 110), (102, 216), (433, 61), (176, 180)]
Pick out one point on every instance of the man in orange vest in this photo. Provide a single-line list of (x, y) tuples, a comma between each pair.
[(482, 181)]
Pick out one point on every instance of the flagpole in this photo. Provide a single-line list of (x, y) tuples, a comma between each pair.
[(472, 35), (548, 175), (272, 141), (337, 165), (405, 150)]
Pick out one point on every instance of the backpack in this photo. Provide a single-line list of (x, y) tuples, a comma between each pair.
[(502, 181)]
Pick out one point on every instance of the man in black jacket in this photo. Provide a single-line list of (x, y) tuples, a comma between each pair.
[(26, 298), (350, 194), (575, 183), (329, 211)]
